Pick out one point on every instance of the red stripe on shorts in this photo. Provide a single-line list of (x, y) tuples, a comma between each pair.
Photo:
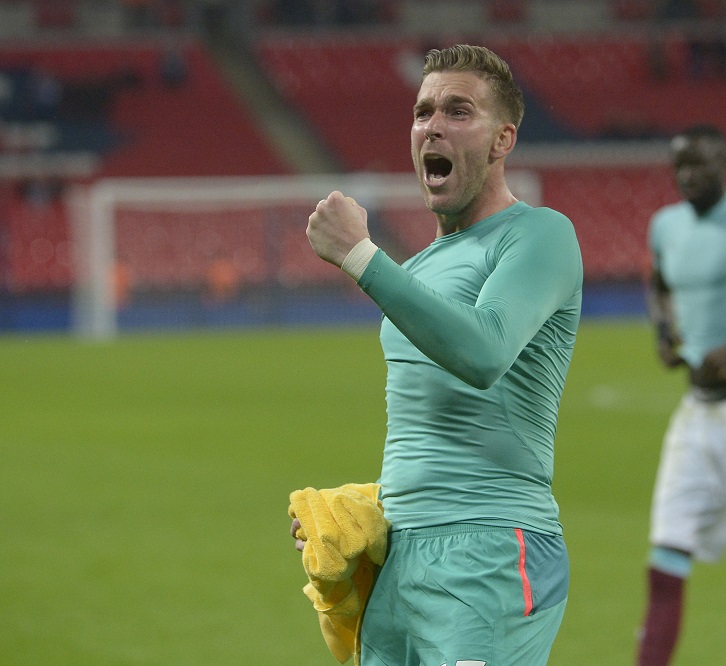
[(526, 587)]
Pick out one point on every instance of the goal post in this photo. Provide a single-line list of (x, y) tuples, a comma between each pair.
[(211, 237)]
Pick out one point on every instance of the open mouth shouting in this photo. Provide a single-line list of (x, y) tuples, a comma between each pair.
[(436, 170)]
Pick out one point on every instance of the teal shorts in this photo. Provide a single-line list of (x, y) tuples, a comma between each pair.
[(466, 594)]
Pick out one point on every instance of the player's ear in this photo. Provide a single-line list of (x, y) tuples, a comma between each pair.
[(504, 141)]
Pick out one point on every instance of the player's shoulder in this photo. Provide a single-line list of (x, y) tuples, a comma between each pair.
[(670, 212), (667, 222), (544, 220), (541, 230)]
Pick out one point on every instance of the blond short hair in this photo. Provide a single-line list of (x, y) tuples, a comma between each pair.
[(479, 59)]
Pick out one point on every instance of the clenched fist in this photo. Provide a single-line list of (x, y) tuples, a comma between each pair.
[(336, 226)]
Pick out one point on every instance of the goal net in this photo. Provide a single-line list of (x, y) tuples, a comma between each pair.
[(186, 253)]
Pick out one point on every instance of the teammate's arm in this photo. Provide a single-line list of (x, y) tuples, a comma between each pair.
[(660, 311)]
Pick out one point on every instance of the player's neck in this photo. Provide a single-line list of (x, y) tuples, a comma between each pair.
[(706, 202), (491, 203)]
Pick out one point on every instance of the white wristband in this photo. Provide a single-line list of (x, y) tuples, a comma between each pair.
[(358, 258)]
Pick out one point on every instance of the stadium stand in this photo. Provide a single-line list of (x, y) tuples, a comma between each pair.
[(119, 104), (38, 249), (600, 87), (172, 249), (610, 209), (151, 101), (622, 87), (195, 127), (155, 109), (329, 82)]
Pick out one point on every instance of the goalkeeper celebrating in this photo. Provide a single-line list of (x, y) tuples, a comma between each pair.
[(478, 331)]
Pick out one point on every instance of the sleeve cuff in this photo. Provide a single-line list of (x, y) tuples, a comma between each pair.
[(358, 258)]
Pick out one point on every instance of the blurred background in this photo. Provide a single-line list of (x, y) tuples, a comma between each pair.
[(159, 158)]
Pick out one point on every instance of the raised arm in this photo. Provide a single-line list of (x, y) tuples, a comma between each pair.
[(534, 276)]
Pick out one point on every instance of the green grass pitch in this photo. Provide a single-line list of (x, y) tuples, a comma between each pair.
[(144, 486)]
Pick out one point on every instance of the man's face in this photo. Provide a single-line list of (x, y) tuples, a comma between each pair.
[(454, 126), (699, 168)]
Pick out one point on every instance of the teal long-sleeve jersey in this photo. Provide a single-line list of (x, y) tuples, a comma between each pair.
[(690, 252), (478, 332)]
